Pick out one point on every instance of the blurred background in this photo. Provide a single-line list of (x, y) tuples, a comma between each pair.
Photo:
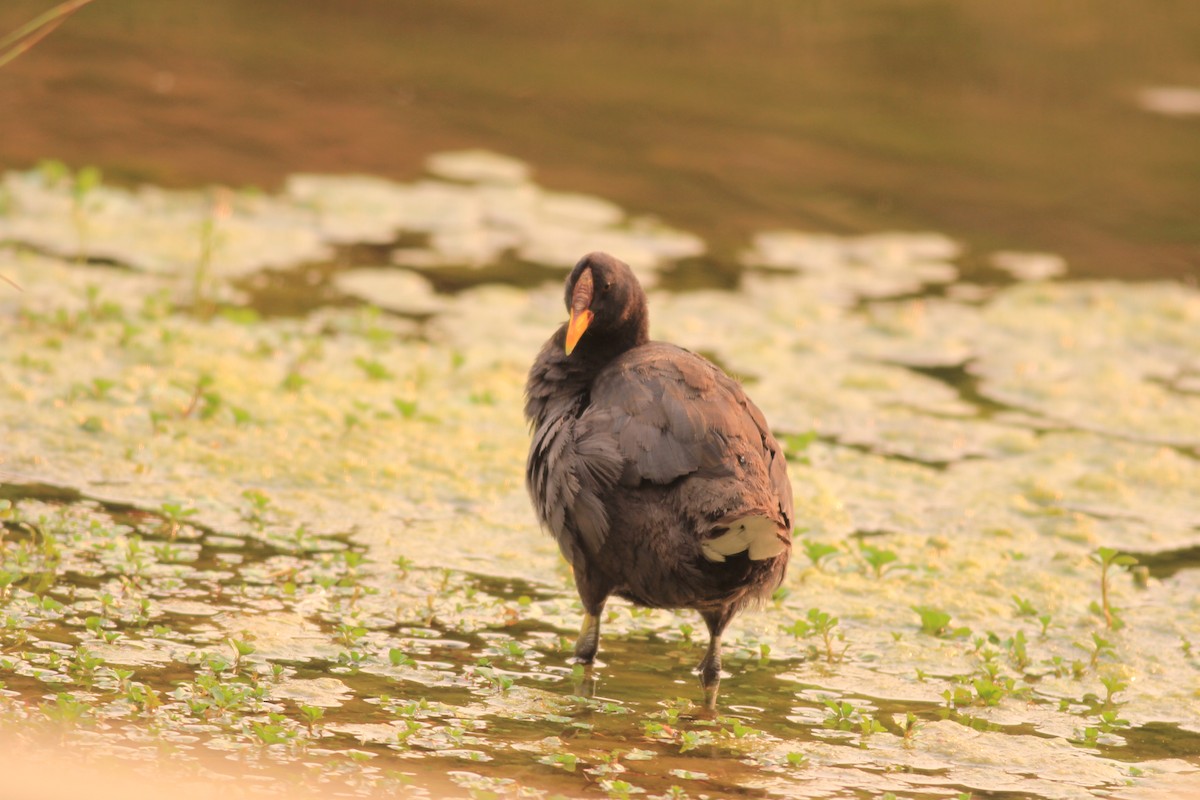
[(1065, 127), (226, 474)]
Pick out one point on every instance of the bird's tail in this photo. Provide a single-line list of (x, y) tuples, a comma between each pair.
[(758, 535)]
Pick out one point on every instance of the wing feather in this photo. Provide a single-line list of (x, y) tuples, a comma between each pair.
[(657, 414)]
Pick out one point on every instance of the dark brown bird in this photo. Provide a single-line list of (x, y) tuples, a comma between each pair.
[(656, 474)]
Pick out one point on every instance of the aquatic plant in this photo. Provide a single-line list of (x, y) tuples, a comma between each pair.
[(331, 519), (1108, 558), (819, 623), (936, 622), (28, 35)]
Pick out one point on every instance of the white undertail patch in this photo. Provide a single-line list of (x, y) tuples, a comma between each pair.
[(759, 535)]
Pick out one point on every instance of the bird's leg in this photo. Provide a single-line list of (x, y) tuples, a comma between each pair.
[(593, 591), (710, 672), (589, 638), (710, 666)]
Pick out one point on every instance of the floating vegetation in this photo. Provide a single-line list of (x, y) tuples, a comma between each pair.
[(1172, 101), (305, 539), (841, 269), (486, 209), (1030, 266), (396, 290)]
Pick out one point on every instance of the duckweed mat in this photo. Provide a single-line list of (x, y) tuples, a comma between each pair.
[(302, 539)]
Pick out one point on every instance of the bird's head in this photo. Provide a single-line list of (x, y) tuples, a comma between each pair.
[(605, 301)]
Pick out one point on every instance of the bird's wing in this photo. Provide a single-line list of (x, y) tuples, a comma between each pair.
[(567, 474), (670, 413), (666, 414)]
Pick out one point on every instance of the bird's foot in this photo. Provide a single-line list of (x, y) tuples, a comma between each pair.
[(710, 681), (709, 670), (710, 698), (589, 663), (588, 642)]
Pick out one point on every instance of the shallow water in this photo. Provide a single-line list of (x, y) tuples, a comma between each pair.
[(304, 538), (1015, 126), (260, 482)]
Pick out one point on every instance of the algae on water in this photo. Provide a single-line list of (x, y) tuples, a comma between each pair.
[(306, 539)]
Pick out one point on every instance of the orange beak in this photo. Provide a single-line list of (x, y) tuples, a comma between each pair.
[(575, 328)]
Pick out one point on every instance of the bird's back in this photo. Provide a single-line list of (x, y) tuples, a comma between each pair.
[(666, 456)]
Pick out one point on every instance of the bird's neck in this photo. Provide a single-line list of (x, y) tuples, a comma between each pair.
[(559, 384)]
